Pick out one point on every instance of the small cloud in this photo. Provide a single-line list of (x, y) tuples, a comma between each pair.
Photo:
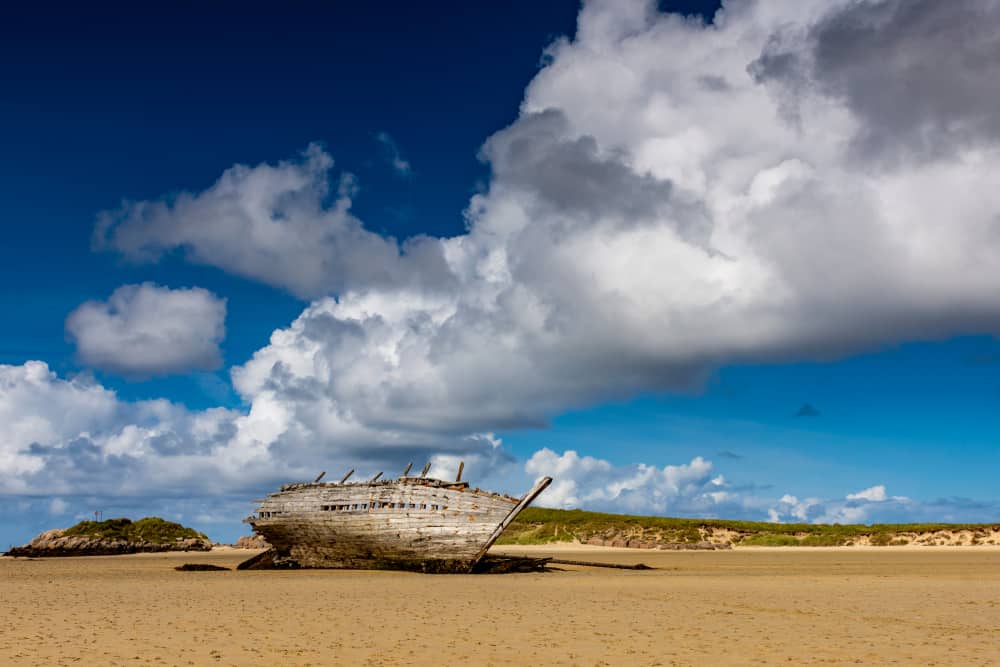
[(875, 494), (392, 155), (147, 330), (726, 454), (807, 410), (57, 506)]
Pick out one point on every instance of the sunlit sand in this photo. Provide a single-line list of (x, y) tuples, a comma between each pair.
[(762, 606)]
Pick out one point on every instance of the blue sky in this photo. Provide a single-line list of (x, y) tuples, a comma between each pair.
[(622, 247)]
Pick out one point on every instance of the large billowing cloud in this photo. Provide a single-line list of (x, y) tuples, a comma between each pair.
[(672, 197), (145, 330), (655, 212)]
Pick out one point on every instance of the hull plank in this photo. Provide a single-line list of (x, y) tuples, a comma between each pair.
[(410, 523)]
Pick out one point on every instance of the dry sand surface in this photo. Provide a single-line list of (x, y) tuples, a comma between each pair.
[(930, 606)]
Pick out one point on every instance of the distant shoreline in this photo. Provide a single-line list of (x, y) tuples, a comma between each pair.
[(561, 547), (538, 525), (576, 547)]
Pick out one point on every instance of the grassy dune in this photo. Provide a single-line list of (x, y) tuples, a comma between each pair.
[(537, 525)]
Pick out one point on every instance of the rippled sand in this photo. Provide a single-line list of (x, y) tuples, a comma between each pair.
[(879, 606)]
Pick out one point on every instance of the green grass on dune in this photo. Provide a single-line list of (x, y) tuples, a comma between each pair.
[(151, 529), (539, 525)]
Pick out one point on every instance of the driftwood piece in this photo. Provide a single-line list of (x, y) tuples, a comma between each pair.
[(201, 567), (511, 565), (587, 563)]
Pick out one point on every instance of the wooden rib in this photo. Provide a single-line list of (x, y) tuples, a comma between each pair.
[(540, 486)]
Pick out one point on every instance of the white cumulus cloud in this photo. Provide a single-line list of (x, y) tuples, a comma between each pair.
[(874, 494), (596, 484), (68, 437), (653, 213), (144, 330), (276, 224), (868, 505)]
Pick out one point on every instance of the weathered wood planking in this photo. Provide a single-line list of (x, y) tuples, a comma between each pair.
[(408, 523)]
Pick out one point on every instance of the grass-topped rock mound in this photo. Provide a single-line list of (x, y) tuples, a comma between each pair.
[(115, 536)]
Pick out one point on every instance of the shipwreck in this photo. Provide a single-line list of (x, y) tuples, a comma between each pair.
[(410, 523)]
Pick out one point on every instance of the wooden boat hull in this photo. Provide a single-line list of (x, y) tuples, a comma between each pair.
[(410, 524)]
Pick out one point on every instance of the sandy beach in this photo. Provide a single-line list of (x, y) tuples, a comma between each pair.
[(931, 606)]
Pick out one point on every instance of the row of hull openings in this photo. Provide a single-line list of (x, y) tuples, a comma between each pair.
[(367, 507)]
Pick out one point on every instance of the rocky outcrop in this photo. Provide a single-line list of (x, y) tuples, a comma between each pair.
[(56, 543), (652, 543), (252, 542)]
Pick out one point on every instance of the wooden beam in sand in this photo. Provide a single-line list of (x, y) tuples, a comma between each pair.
[(590, 563), (540, 486)]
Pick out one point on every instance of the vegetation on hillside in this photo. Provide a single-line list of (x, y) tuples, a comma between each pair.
[(538, 525), (151, 529)]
